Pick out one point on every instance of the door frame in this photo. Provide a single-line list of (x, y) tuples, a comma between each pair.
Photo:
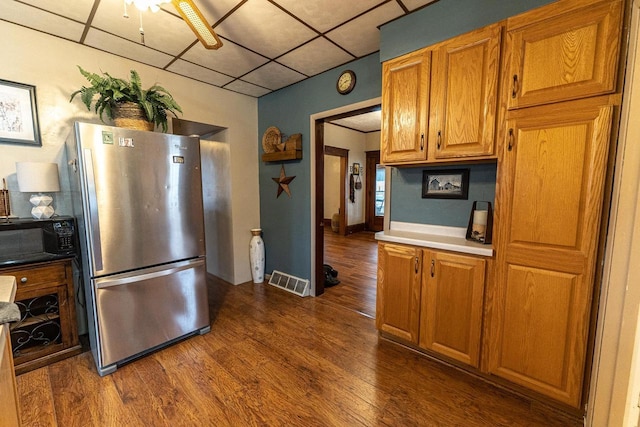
[(343, 154), (316, 187), (373, 158)]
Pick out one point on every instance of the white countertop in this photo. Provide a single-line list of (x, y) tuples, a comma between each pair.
[(436, 237), (7, 288)]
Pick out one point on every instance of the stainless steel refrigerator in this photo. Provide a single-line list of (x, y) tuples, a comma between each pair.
[(137, 197)]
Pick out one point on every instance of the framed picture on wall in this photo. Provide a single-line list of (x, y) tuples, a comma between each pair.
[(18, 114), (445, 184)]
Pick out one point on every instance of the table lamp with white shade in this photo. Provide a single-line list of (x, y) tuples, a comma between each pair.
[(39, 177)]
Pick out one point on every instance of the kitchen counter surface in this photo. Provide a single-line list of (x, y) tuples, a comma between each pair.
[(7, 288), (436, 237)]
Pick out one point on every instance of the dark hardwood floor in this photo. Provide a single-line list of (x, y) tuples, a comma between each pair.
[(273, 359), (355, 256)]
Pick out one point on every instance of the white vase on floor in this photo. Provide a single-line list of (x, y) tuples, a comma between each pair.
[(256, 255)]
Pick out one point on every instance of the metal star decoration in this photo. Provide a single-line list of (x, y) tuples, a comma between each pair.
[(283, 182)]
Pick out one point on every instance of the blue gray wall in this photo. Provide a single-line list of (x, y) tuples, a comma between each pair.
[(286, 222), (407, 204)]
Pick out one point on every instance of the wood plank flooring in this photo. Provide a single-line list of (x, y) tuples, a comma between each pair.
[(273, 359), (355, 256)]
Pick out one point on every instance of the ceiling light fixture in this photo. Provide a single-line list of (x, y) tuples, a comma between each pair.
[(192, 15), (189, 13), (142, 5)]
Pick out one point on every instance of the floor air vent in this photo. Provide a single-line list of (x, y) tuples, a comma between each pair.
[(289, 283)]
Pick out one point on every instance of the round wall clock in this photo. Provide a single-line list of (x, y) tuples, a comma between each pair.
[(346, 82)]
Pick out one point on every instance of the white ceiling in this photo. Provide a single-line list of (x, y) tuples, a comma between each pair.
[(267, 44)]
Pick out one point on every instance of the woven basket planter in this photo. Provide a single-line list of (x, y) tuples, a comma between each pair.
[(131, 116)]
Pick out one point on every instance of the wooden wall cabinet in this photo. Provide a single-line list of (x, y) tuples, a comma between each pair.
[(442, 107), (464, 95), (551, 198), (48, 331), (398, 297), (452, 305), (405, 103), (565, 56)]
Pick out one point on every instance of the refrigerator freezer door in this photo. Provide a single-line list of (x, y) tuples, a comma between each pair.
[(142, 197), (139, 311)]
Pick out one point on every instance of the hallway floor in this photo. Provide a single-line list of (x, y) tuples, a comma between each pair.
[(355, 256)]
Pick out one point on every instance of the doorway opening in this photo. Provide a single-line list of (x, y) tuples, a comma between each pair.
[(318, 122)]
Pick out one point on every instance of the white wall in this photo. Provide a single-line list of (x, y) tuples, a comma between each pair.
[(49, 63), (372, 141), (355, 142), (332, 185)]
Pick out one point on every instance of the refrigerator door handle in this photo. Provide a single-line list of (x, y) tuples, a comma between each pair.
[(159, 271), (96, 248)]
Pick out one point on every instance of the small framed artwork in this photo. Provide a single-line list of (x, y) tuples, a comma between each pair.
[(355, 169), (18, 114), (445, 184)]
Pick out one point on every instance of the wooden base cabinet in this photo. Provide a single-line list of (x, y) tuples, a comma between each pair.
[(550, 199), (48, 331), (9, 405), (432, 299), (452, 305), (398, 299)]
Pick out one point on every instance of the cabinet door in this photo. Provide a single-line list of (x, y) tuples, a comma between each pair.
[(550, 200), (451, 309), (568, 56), (464, 93), (405, 95), (398, 299)]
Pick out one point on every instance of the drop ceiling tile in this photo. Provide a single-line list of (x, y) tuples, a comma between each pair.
[(273, 76), (212, 10), (264, 28), (326, 14), (197, 72), (162, 31), (361, 36), (415, 4), (316, 56), (247, 88), (77, 10), (40, 20), (367, 122), (125, 48), (230, 59)]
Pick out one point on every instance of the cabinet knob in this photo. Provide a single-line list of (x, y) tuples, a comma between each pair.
[(23, 280), (416, 264), (433, 267), (421, 142), (439, 139)]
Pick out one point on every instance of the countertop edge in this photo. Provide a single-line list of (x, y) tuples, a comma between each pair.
[(449, 243)]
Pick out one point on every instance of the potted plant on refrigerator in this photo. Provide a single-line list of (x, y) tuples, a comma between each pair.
[(125, 102)]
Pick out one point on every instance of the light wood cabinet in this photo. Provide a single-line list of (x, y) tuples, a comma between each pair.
[(563, 56), (398, 298), (550, 202), (440, 103), (405, 103), (452, 305), (47, 331), (464, 95), (9, 405)]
